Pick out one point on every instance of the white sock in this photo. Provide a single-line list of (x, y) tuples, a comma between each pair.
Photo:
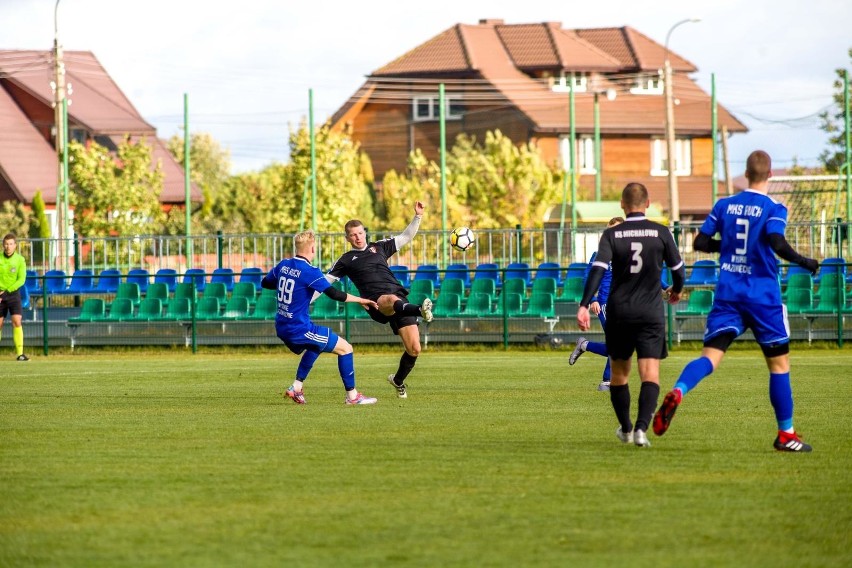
[(297, 385)]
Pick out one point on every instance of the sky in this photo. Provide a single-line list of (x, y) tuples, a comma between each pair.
[(247, 66)]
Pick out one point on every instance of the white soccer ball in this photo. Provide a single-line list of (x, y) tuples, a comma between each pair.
[(462, 238)]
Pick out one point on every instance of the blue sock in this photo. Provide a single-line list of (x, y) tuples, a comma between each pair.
[(346, 366), (606, 372), (306, 364), (597, 348), (692, 374), (781, 397)]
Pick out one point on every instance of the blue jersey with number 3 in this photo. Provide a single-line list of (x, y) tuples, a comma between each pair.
[(297, 281), (748, 267)]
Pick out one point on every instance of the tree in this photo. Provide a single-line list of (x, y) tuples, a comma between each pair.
[(210, 170), (115, 194), (834, 125), (14, 218)]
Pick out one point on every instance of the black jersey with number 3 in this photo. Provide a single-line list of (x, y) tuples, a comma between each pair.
[(637, 249), (369, 271)]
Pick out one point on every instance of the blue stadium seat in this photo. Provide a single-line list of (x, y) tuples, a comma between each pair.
[(704, 273), (139, 276), (167, 276), (550, 270), (576, 270), (428, 272), (253, 275), (519, 270), (402, 274), (54, 281), (460, 271), (488, 270), (108, 281), (33, 283), (82, 282), (196, 276), (225, 276)]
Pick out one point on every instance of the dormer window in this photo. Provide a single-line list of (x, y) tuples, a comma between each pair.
[(562, 84), (648, 84), (429, 108)]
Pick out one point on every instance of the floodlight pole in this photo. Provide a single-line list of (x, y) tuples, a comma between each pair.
[(59, 137), (674, 205), (186, 180), (443, 135), (610, 96)]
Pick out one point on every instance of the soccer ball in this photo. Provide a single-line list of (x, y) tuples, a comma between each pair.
[(461, 238)]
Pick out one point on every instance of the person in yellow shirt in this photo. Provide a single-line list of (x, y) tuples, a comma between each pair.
[(13, 275)]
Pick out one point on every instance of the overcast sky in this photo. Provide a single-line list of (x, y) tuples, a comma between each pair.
[(247, 65)]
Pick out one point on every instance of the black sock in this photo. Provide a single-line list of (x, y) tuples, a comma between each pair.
[(649, 393), (406, 309), (406, 364), (620, 398)]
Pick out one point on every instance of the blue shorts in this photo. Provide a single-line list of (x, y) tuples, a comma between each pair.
[(319, 339), (768, 323)]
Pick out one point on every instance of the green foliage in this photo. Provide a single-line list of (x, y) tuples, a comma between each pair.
[(489, 185), (115, 194), (14, 218), (210, 167), (834, 124), (40, 222)]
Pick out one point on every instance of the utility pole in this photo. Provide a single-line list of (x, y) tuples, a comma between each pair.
[(59, 136)]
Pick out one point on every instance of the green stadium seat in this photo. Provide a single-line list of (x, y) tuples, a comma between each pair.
[(179, 309), (572, 289), (266, 308), (448, 305), (245, 290), (478, 305), (217, 290), (208, 308), (542, 305), (799, 300), (355, 310), (186, 290), (93, 309), (120, 309), (322, 308), (423, 286), (236, 308), (158, 291), (515, 286), (544, 284), (698, 304), (484, 286), (129, 291), (452, 285), (150, 309), (514, 303)]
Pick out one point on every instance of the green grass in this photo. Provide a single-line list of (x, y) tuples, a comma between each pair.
[(496, 459)]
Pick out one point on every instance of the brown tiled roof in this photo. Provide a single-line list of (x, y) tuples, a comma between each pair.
[(633, 49), (444, 53), (96, 104)]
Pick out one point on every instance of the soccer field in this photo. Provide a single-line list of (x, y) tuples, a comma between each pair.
[(496, 459)]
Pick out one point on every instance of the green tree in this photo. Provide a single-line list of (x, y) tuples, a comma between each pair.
[(39, 222), (14, 218), (834, 124), (210, 167), (115, 194)]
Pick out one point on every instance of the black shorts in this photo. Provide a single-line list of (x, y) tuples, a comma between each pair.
[(10, 303), (648, 340), (396, 321)]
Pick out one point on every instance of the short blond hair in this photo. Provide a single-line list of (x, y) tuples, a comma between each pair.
[(304, 240)]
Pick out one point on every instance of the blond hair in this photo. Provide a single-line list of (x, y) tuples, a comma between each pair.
[(304, 240)]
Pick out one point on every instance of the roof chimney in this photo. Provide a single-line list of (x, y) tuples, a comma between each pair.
[(491, 22)]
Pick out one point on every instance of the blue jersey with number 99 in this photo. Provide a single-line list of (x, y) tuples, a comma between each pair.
[(297, 280), (748, 267)]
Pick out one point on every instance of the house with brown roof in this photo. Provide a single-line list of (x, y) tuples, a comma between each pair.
[(99, 111), (517, 78)]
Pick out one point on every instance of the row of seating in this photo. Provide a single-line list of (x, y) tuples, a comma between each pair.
[(84, 281), (180, 309), (571, 290)]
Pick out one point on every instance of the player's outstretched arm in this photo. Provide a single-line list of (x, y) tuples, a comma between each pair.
[(411, 230), (783, 249), (706, 243)]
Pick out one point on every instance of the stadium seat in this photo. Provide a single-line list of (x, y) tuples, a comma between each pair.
[(799, 300), (236, 308), (245, 290), (266, 308), (698, 304), (424, 287), (572, 289), (793, 270), (129, 291), (120, 309), (831, 294), (322, 308), (82, 282), (704, 273), (186, 290), (550, 270), (93, 309), (458, 270), (355, 310), (518, 270), (33, 283), (25, 297), (54, 281), (488, 270), (515, 286), (428, 272), (225, 276), (167, 276), (544, 284), (514, 303), (208, 308), (801, 280), (150, 309), (478, 305), (541, 305), (576, 270), (454, 285), (217, 290), (158, 291), (484, 286), (831, 265), (253, 275), (196, 276), (108, 281), (139, 276), (179, 309), (401, 273), (448, 305)]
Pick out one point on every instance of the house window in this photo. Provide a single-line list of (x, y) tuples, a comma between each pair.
[(648, 84), (682, 157), (562, 84), (584, 156), (429, 108)]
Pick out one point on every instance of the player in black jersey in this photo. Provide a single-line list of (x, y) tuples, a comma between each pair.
[(636, 320), (366, 265)]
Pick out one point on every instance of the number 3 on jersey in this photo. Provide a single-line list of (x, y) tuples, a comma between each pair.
[(636, 261), (285, 290)]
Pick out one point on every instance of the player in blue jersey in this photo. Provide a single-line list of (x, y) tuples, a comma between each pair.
[(597, 307), (751, 225), (636, 320), (297, 281)]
